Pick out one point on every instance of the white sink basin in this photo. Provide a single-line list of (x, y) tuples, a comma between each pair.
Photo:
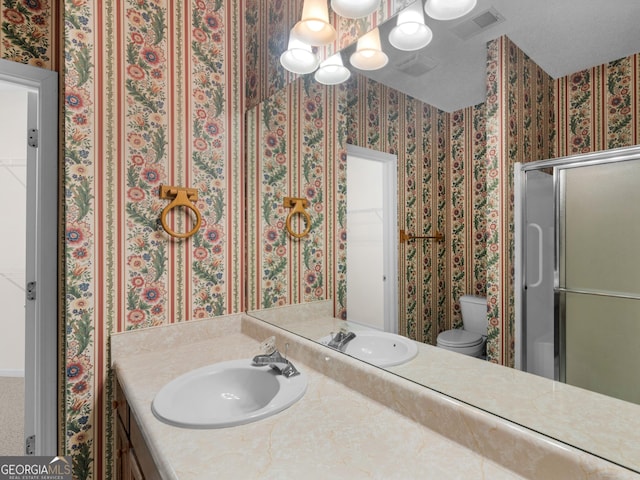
[(226, 394), (379, 348)]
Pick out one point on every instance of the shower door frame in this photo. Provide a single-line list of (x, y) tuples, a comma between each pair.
[(559, 293)]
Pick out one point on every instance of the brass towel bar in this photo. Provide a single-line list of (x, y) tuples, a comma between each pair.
[(404, 237)]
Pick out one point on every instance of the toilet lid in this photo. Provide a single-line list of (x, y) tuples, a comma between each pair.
[(459, 338)]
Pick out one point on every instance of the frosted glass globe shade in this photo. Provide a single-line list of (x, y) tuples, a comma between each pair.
[(369, 54), (332, 71), (410, 32), (448, 9), (314, 27), (354, 8), (299, 57)]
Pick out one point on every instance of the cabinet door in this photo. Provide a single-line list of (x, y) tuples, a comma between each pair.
[(135, 473), (122, 452)]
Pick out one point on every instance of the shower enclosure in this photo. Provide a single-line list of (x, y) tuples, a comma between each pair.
[(577, 275)]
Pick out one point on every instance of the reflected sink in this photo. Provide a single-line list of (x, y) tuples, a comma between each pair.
[(226, 394), (379, 348)]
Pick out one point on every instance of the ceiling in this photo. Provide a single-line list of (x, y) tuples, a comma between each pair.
[(561, 36)]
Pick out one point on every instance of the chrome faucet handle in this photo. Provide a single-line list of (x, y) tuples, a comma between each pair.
[(339, 340), (268, 345), (289, 370), (274, 359)]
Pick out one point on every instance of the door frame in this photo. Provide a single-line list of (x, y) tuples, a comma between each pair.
[(41, 333), (390, 229)]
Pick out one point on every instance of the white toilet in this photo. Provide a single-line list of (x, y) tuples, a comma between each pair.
[(470, 339)]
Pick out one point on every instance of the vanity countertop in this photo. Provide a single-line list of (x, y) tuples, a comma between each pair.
[(596, 423), (352, 423), (332, 432)]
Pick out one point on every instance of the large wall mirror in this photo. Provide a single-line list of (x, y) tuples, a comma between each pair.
[(509, 82)]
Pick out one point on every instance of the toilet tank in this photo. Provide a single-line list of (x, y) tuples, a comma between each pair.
[(474, 313)]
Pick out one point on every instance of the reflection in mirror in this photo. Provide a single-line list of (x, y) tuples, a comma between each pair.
[(574, 208), (372, 235), (268, 36), (457, 134)]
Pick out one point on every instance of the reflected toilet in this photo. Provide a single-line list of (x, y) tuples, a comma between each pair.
[(469, 340)]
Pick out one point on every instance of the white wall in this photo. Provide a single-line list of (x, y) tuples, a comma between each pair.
[(13, 127)]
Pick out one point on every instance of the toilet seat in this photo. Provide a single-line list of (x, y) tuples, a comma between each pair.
[(459, 338)]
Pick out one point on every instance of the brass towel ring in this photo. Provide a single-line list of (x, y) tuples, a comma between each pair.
[(298, 206), (182, 197)]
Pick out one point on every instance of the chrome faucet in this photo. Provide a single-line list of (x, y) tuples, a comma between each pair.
[(274, 359), (340, 340)]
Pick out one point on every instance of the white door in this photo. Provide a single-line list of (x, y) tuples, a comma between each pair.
[(593, 304), (13, 193), (40, 253), (535, 347), (599, 276), (372, 239)]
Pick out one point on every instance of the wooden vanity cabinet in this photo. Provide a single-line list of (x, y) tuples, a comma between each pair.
[(133, 459)]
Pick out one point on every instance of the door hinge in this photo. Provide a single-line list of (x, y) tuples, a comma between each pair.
[(33, 137), (31, 291), (30, 447)]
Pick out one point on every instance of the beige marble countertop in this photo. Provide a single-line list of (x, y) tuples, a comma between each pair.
[(596, 423), (355, 421)]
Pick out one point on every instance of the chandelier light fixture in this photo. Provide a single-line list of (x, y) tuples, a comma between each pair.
[(410, 32), (448, 9), (299, 57), (369, 54), (354, 8), (332, 71), (314, 27)]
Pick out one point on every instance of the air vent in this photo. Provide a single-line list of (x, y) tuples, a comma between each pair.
[(478, 23), (416, 65)]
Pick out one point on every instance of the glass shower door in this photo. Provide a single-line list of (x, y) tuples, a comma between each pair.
[(537, 347), (598, 254)]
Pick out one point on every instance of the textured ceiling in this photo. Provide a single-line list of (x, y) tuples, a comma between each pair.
[(562, 36)]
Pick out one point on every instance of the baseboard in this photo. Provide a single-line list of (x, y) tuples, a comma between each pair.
[(11, 373)]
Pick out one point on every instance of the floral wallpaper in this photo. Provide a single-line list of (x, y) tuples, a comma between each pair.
[(147, 102), (294, 151), (441, 189), (83, 373), (155, 92), (29, 32), (520, 128), (291, 152), (598, 108)]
